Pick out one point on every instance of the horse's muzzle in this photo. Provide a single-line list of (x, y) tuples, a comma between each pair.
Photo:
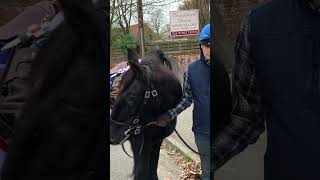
[(115, 140)]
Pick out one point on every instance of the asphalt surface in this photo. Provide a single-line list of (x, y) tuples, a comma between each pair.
[(121, 165), (248, 165)]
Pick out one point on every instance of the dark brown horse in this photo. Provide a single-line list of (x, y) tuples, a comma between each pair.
[(147, 90)]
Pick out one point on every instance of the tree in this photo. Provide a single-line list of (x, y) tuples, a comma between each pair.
[(124, 12), (121, 13), (122, 41), (156, 23), (202, 5), (165, 31)]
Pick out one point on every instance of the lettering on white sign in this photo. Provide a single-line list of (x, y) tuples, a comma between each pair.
[(184, 23)]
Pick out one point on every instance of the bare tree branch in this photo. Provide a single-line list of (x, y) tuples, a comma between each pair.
[(123, 12), (202, 5)]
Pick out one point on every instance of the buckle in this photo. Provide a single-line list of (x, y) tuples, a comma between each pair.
[(147, 94), (127, 132), (136, 121), (137, 131), (154, 93)]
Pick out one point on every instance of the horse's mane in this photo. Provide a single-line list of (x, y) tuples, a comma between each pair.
[(163, 68), (81, 34), (170, 63)]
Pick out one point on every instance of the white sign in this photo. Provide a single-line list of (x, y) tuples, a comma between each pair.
[(184, 23)]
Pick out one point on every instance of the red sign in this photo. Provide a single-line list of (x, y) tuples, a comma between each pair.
[(185, 33)]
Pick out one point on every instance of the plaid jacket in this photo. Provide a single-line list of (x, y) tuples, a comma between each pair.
[(248, 122), (186, 100)]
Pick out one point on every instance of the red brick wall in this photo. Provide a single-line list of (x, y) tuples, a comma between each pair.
[(11, 8), (185, 58), (233, 12)]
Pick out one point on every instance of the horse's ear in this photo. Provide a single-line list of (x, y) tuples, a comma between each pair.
[(132, 56), (163, 57), (133, 61)]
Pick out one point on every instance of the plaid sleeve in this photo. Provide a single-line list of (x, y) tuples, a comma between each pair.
[(186, 100), (247, 122)]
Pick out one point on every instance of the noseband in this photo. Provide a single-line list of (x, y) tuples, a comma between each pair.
[(135, 127)]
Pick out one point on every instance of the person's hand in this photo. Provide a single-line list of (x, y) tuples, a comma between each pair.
[(163, 120)]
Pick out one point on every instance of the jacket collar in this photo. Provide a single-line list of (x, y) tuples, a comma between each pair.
[(204, 61)]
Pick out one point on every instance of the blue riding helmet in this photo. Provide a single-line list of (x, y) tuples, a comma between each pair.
[(205, 35)]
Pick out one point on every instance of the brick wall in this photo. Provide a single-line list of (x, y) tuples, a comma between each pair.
[(184, 59), (232, 12), (11, 8)]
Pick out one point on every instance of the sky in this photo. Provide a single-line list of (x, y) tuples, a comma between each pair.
[(166, 9), (172, 7)]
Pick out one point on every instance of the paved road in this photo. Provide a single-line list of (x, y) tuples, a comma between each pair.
[(248, 165), (121, 165)]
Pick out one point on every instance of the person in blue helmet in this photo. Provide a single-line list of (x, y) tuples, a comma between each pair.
[(196, 90)]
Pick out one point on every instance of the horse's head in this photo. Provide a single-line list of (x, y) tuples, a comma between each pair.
[(147, 90)]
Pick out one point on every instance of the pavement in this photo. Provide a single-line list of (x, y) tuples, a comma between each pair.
[(248, 165), (121, 165), (184, 125)]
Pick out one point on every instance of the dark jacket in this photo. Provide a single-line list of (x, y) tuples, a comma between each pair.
[(222, 101), (199, 79), (286, 51)]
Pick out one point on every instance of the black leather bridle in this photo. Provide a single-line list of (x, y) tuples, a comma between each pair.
[(135, 127)]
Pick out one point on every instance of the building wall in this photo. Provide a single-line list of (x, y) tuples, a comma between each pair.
[(232, 12), (11, 8)]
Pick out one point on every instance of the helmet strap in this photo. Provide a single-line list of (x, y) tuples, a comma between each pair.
[(201, 53)]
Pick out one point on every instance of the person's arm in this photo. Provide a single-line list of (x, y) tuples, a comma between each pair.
[(186, 100), (184, 103), (247, 121)]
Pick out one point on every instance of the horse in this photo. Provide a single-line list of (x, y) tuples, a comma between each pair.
[(146, 90)]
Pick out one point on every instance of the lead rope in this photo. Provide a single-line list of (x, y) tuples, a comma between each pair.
[(124, 149), (185, 143), (122, 144)]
